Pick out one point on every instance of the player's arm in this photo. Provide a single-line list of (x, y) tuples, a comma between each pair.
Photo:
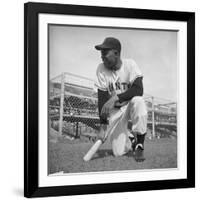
[(136, 89), (103, 97)]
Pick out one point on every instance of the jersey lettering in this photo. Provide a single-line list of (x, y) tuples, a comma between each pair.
[(110, 86), (118, 86), (120, 81)]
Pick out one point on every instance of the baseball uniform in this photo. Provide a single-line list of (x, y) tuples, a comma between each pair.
[(118, 82)]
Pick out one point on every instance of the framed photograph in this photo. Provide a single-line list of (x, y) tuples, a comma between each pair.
[(109, 99)]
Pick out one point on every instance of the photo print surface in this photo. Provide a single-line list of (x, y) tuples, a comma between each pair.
[(77, 71)]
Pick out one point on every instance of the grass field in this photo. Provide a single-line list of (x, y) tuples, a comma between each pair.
[(67, 156)]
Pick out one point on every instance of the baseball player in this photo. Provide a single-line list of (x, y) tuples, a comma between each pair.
[(120, 101)]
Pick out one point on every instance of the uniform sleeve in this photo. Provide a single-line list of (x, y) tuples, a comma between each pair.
[(103, 97), (135, 71), (100, 82), (135, 90)]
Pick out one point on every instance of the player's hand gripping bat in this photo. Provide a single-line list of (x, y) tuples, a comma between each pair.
[(102, 136)]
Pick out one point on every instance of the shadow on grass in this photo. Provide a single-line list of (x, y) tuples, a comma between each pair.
[(103, 153)]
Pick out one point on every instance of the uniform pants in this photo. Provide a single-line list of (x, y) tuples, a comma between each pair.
[(136, 112)]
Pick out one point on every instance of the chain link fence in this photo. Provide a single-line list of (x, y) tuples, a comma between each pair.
[(73, 109)]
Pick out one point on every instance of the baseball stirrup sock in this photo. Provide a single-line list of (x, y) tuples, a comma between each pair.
[(140, 139)]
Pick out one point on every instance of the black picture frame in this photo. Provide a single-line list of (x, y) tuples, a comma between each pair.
[(31, 112)]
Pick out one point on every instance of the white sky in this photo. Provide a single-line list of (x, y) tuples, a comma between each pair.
[(71, 49)]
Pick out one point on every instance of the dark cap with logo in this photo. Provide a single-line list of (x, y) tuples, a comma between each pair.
[(109, 43)]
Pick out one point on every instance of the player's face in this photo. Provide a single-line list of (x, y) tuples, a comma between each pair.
[(109, 58)]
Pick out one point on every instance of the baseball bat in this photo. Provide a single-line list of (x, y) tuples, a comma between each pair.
[(92, 150)]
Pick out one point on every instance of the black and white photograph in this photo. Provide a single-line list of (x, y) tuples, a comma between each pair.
[(99, 99), (112, 99), (109, 92)]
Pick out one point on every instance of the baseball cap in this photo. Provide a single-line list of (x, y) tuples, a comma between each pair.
[(109, 43)]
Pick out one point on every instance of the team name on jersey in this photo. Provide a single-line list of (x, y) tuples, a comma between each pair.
[(122, 86)]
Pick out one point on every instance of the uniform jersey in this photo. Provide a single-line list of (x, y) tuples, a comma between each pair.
[(117, 82)]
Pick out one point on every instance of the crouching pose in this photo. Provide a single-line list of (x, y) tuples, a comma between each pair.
[(120, 101)]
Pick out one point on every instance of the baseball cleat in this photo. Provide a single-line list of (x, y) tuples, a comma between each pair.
[(133, 139), (139, 153), (133, 142)]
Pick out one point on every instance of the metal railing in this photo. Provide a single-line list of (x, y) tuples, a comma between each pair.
[(74, 105)]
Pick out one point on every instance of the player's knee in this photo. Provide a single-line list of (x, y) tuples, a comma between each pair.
[(118, 147), (137, 101), (117, 153), (138, 104)]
